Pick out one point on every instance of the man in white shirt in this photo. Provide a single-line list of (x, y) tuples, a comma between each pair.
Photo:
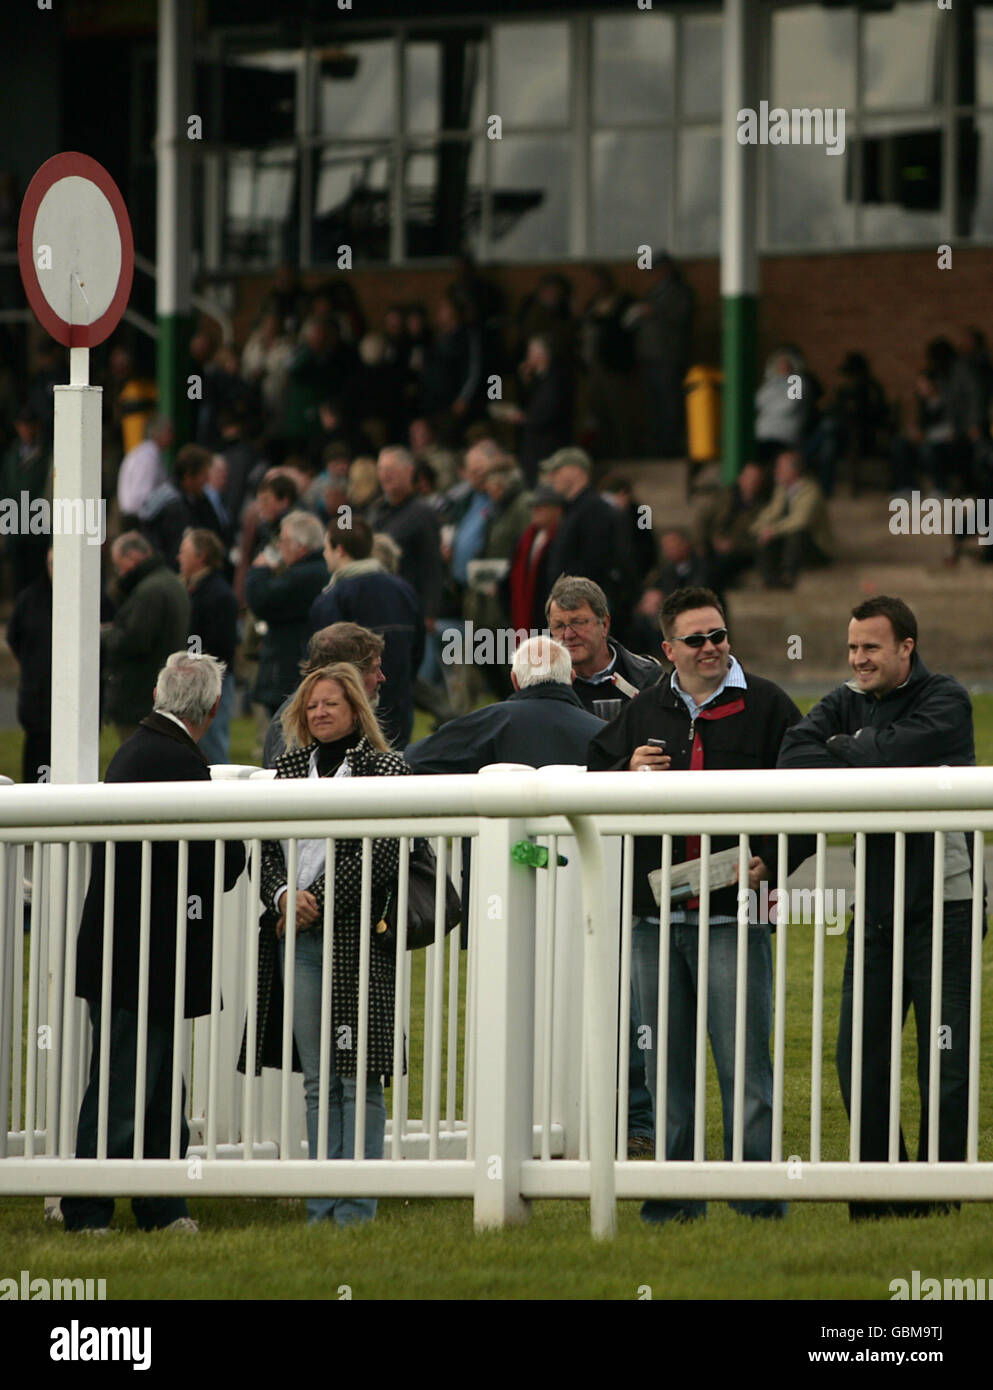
[(143, 468)]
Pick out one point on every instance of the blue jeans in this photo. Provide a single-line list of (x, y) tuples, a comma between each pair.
[(641, 1122), (216, 742), (88, 1213), (720, 1026), (341, 1089)]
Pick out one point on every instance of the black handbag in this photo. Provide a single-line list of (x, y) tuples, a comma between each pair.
[(423, 866)]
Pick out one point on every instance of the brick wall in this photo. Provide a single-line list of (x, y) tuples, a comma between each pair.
[(885, 304)]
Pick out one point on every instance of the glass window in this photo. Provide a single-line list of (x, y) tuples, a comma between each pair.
[(698, 224), (260, 211), (632, 68), (813, 57), (356, 90), (901, 180), (701, 77), (807, 204), (445, 83), (982, 218), (530, 197), (632, 177), (442, 198), (983, 17), (532, 73), (902, 59), (352, 203), (423, 77)]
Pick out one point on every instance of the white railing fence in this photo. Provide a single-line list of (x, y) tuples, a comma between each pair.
[(512, 1090)]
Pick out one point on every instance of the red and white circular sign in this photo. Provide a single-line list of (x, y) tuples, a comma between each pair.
[(76, 250)]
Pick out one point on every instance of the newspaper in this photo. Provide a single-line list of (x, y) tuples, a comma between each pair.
[(685, 878)]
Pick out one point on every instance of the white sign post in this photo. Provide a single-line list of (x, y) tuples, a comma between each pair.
[(76, 253)]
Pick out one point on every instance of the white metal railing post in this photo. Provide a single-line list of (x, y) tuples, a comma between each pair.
[(504, 1024), (600, 935)]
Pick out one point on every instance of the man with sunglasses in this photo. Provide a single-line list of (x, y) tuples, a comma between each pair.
[(711, 715)]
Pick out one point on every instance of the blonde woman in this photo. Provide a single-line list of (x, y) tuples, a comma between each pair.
[(331, 731)]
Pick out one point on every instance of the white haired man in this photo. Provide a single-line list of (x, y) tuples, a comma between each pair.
[(541, 722), (162, 749)]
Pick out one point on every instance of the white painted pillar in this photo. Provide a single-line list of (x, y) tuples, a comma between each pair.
[(504, 1024)]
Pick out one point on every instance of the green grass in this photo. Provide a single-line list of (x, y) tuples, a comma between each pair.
[(427, 1248)]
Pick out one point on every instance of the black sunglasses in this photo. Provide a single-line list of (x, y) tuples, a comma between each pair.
[(697, 639)]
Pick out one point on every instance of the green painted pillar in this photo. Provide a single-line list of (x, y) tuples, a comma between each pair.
[(172, 358), (174, 212), (739, 240), (739, 352)]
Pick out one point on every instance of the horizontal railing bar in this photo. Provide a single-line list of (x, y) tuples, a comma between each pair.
[(562, 1178), (516, 795), (753, 1181), (672, 823), (772, 822), (237, 1178), (238, 830)]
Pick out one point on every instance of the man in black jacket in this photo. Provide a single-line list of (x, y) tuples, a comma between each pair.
[(163, 749), (213, 626), (711, 714), (362, 592), (280, 594), (412, 523), (579, 617), (588, 538), (542, 722), (896, 713)]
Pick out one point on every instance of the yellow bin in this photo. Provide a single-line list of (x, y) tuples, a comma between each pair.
[(703, 413)]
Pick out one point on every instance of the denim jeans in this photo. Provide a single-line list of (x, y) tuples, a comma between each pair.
[(216, 742), (641, 1121), (720, 1026), (953, 1060), (149, 1212), (341, 1089)]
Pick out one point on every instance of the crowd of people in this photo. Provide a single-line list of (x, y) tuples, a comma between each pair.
[(577, 696), (350, 516)]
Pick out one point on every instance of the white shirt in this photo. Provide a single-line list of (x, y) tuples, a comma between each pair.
[(142, 471), (310, 853)]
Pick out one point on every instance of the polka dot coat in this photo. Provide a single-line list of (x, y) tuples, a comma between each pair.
[(364, 761)]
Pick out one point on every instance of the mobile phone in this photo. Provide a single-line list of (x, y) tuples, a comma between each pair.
[(658, 743)]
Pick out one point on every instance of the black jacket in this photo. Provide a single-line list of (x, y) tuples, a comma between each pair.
[(414, 526), (214, 617), (586, 544), (282, 598), (639, 671), (539, 725), (746, 733), (151, 623), (158, 751), (926, 722), (29, 636), (387, 605)]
